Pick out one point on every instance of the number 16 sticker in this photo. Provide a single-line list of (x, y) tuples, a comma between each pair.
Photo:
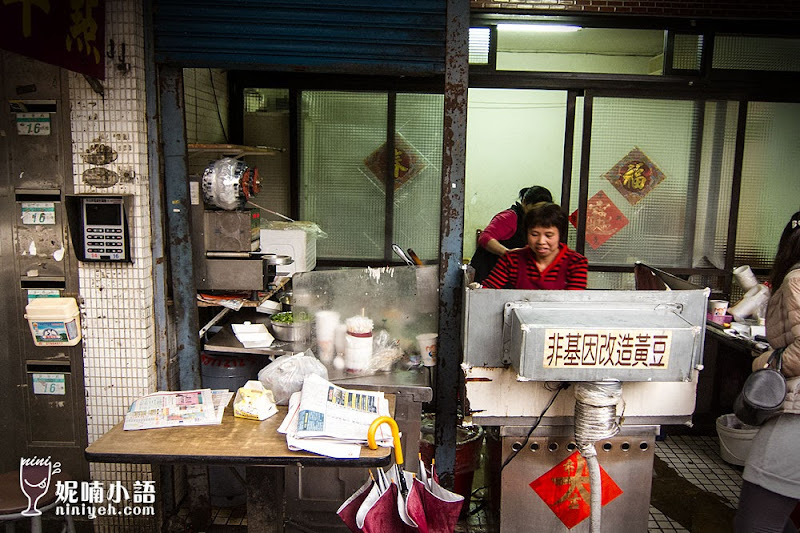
[(33, 123)]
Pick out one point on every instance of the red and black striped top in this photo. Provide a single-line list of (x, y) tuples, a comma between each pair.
[(504, 274)]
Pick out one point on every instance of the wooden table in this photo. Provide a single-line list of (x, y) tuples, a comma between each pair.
[(255, 445)]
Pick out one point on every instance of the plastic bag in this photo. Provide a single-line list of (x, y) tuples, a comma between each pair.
[(309, 227), (253, 401), (386, 352), (286, 374)]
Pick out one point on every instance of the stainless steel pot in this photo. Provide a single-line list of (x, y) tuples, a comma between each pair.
[(295, 332)]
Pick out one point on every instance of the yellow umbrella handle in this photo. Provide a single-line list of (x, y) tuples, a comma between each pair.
[(398, 449)]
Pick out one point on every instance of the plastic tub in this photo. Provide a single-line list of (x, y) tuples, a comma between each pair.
[(54, 321), (735, 439)]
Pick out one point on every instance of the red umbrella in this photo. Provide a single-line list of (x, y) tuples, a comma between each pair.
[(348, 510), (379, 505), (427, 507), (432, 507)]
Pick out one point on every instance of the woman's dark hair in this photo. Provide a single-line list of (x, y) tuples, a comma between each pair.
[(546, 215), (534, 195), (788, 252)]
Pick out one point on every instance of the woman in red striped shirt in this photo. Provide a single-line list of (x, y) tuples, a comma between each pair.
[(545, 263)]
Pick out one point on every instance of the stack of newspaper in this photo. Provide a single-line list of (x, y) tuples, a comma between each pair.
[(333, 421), (177, 408)]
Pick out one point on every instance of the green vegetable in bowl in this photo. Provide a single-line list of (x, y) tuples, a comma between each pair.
[(290, 317)]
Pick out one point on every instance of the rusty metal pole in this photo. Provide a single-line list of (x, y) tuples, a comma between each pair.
[(451, 237), (176, 186)]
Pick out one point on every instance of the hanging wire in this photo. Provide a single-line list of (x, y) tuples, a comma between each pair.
[(269, 211), (564, 385), (216, 102)]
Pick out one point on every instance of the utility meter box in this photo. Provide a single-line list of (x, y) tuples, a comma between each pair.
[(596, 341)]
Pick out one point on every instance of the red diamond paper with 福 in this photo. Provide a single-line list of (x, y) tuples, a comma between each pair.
[(635, 175), (566, 490), (603, 219)]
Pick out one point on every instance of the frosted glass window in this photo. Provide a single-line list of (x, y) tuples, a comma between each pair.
[(770, 191), (651, 218), (343, 172), (715, 184), (417, 203), (339, 130), (687, 51), (479, 41), (739, 52)]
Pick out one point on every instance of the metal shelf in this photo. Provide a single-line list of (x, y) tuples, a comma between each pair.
[(232, 150)]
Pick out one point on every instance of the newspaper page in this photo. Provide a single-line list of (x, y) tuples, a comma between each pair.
[(221, 398), (320, 419), (329, 411), (322, 446), (172, 408)]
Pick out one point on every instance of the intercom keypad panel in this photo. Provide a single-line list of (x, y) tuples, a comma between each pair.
[(104, 236)]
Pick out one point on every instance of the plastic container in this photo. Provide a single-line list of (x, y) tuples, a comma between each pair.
[(735, 439), (469, 440), (54, 321), (227, 372), (299, 244)]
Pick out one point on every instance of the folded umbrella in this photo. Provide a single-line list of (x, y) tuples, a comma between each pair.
[(432, 507), (378, 506), (348, 510)]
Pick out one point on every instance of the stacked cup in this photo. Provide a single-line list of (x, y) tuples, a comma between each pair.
[(744, 277), (751, 302), (327, 322), (358, 344)]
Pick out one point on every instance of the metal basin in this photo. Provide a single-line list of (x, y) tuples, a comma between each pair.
[(297, 331)]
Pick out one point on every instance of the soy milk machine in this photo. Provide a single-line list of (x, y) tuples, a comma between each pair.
[(225, 233), (618, 363)]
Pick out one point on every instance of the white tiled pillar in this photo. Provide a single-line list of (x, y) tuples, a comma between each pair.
[(118, 337)]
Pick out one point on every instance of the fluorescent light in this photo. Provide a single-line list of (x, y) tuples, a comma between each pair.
[(542, 28), (479, 46)]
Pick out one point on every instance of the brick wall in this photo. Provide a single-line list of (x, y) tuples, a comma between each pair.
[(780, 10)]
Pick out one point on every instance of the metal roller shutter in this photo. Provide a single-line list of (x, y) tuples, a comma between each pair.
[(387, 37)]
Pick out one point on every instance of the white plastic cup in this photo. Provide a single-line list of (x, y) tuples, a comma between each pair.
[(427, 343), (744, 277), (326, 322), (717, 307)]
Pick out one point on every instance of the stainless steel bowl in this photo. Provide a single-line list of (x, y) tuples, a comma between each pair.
[(295, 332)]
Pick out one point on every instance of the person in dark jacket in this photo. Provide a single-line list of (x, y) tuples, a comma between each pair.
[(506, 231)]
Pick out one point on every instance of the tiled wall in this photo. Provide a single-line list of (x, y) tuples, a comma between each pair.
[(118, 342), (776, 9)]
